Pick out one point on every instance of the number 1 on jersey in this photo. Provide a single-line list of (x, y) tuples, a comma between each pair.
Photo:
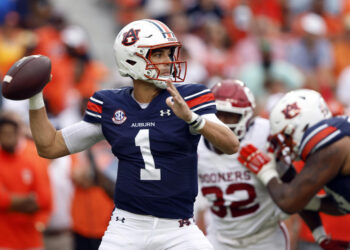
[(150, 172)]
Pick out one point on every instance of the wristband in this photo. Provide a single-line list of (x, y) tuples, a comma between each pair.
[(36, 101), (197, 122), (314, 204), (194, 117), (319, 234), (268, 171)]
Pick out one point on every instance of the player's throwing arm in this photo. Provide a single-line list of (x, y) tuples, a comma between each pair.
[(26, 79)]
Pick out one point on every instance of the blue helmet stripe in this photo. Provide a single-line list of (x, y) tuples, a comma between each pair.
[(160, 28)]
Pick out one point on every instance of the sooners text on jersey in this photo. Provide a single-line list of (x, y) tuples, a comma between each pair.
[(240, 204)]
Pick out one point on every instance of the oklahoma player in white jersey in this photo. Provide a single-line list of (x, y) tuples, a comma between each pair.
[(242, 213)]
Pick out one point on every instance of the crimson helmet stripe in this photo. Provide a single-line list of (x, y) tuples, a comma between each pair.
[(166, 32), (200, 100), (316, 139)]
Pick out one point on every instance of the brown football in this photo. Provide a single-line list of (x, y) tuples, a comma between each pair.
[(27, 77)]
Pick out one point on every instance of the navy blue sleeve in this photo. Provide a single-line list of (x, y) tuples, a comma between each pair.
[(198, 98), (323, 134), (93, 112)]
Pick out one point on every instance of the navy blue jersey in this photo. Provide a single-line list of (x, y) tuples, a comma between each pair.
[(321, 135), (157, 172)]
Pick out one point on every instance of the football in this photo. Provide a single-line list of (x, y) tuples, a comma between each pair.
[(26, 77)]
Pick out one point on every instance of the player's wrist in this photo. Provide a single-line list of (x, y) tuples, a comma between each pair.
[(319, 234), (194, 116), (36, 101), (197, 122), (268, 172)]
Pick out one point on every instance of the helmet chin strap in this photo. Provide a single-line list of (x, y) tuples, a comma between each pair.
[(158, 84)]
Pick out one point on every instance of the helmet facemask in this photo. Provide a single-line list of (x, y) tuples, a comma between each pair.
[(153, 73), (233, 97), (284, 146), (244, 116)]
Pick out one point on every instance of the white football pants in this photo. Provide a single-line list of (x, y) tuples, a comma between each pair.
[(129, 231)]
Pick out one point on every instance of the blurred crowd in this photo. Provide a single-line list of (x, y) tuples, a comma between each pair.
[(273, 46)]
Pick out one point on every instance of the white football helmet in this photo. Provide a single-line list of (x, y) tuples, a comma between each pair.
[(132, 48), (294, 113), (233, 96)]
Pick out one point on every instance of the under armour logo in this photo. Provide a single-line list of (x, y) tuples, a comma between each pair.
[(121, 219), (183, 222), (163, 113)]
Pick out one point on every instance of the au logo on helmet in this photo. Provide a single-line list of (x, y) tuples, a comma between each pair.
[(130, 37), (291, 111)]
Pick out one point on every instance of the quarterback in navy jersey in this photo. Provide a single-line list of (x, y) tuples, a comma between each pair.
[(155, 149), (153, 129), (302, 128)]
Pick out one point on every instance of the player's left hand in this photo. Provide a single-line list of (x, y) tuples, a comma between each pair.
[(329, 244), (252, 158), (258, 162), (177, 103)]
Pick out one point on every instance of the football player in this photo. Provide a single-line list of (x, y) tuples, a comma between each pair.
[(242, 213), (302, 127), (153, 128)]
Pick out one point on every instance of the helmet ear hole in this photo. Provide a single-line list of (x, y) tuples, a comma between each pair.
[(131, 62)]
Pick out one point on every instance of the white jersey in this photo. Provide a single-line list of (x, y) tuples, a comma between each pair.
[(240, 205)]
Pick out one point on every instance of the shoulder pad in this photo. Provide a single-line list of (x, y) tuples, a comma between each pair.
[(319, 136), (198, 98)]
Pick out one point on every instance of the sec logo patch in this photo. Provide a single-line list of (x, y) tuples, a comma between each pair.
[(119, 117)]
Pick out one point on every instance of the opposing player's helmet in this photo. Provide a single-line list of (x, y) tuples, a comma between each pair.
[(294, 113), (135, 42), (233, 96)]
